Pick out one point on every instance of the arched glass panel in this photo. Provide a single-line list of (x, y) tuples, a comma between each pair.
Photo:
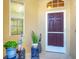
[(55, 3)]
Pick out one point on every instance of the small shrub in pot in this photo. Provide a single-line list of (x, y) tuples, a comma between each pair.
[(34, 40), (10, 47)]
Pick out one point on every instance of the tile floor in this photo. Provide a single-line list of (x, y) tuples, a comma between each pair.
[(49, 55)]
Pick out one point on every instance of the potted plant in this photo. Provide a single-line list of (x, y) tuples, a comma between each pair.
[(10, 47), (34, 40)]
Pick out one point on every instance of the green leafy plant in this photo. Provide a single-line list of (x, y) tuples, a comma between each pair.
[(34, 38), (10, 44)]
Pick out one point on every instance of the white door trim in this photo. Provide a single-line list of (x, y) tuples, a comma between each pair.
[(56, 49)]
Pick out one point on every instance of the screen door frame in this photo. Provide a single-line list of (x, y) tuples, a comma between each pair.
[(53, 48)]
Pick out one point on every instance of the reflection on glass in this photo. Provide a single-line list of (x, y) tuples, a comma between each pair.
[(55, 22), (14, 30), (56, 39)]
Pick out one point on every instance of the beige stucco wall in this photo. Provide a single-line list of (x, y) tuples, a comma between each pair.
[(73, 29), (31, 22)]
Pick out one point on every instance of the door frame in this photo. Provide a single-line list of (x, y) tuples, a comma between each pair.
[(56, 49)]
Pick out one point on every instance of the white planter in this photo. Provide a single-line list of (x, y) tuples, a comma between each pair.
[(35, 45)]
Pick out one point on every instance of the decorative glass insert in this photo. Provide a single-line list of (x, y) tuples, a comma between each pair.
[(55, 22), (55, 28), (16, 17), (56, 39), (55, 3)]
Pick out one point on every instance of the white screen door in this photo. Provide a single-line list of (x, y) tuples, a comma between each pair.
[(56, 31)]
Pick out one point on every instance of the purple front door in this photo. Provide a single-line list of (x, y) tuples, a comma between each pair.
[(55, 29)]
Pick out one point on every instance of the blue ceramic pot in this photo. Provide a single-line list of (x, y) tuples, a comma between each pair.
[(11, 52), (34, 52)]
